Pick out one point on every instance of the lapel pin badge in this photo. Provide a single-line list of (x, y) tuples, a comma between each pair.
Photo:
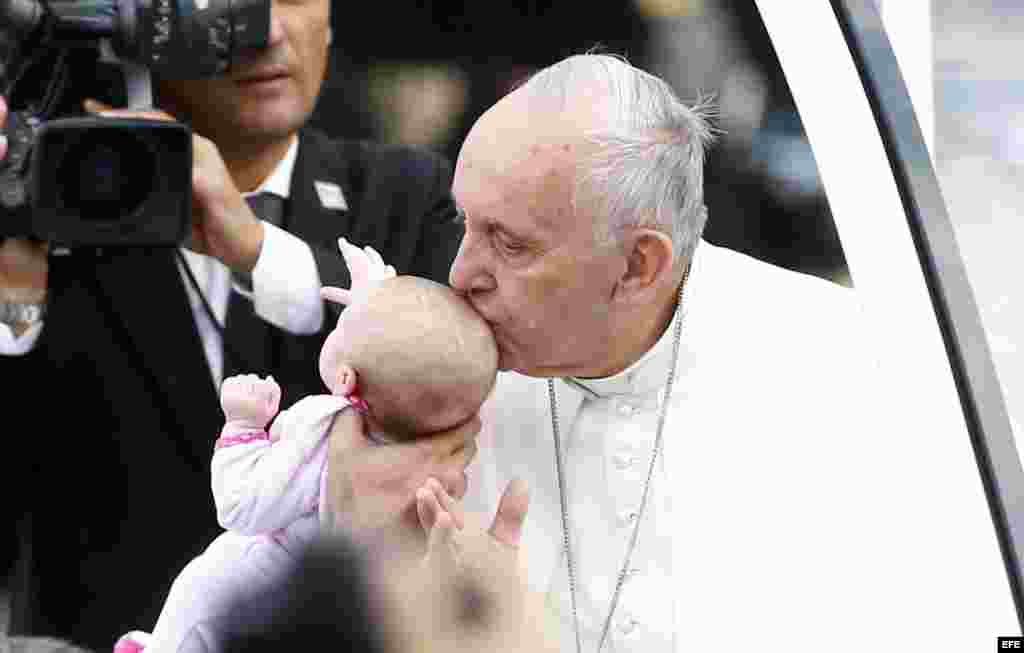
[(331, 196)]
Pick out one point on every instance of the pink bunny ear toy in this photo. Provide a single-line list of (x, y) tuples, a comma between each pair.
[(336, 295), (366, 269)]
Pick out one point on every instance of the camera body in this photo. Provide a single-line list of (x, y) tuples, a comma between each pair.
[(116, 182), (75, 180)]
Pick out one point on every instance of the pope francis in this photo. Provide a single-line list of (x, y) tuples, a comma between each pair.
[(681, 413), (656, 384)]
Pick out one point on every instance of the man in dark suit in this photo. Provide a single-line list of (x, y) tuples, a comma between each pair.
[(112, 358)]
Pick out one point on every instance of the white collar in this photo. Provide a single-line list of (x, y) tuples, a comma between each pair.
[(280, 180), (650, 372)]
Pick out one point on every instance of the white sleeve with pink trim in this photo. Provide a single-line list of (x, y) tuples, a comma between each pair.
[(258, 485)]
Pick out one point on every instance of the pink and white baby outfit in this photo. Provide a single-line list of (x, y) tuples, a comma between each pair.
[(267, 490)]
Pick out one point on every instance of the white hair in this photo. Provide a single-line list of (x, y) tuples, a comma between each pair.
[(646, 168)]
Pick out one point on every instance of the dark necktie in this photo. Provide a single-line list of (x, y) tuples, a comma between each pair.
[(247, 338)]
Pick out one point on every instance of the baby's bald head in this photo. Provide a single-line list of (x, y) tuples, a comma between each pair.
[(424, 359)]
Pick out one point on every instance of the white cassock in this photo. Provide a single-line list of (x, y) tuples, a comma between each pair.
[(744, 540)]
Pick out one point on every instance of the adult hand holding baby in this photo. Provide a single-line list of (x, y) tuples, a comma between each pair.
[(372, 488)]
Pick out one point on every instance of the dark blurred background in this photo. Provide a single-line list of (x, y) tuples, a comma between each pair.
[(423, 71)]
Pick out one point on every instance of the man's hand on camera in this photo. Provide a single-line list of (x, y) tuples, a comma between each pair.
[(223, 225), (24, 265)]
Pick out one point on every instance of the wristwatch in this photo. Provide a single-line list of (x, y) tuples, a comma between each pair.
[(25, 313)]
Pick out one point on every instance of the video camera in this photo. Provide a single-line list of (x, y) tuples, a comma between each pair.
[(105, 181)]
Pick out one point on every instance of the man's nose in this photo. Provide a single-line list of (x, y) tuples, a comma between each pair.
[(276, 35), (468, 273)]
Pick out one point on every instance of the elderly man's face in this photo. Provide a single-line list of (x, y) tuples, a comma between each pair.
[(530, 264), (269, 93)]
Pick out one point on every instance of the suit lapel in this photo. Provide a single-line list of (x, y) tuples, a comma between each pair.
[(156, 321), (306, 216)]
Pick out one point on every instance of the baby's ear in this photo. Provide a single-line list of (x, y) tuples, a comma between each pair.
[(345, 380)]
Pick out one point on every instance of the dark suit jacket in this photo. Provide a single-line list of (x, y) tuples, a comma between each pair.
[(107, 469)]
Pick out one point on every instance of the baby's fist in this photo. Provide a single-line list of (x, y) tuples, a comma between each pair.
[(249, 400)]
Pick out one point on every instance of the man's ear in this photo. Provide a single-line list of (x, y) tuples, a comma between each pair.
[(649, 263)]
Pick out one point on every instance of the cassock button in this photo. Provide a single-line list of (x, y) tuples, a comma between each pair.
[(628, 624), (627, 517), (623, 460), (626, 409)]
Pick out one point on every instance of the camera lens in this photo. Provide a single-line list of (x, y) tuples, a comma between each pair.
[(106, 176)]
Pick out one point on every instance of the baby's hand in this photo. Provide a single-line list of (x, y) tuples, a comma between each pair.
[(249, 400), (365, 267)]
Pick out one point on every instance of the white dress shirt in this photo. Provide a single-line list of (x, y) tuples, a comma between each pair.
[(285, 280)]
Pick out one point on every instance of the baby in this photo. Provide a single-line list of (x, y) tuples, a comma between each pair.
[(408, 353)]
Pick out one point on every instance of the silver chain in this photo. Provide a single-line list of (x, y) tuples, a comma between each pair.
[(559, 465)]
